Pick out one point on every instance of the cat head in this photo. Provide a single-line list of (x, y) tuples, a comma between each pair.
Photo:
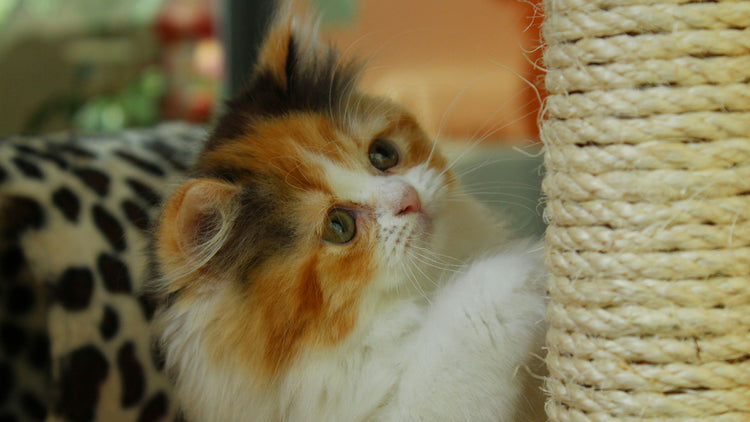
[(309, 196)]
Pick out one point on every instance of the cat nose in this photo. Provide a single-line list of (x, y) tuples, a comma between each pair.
[(409, 201)]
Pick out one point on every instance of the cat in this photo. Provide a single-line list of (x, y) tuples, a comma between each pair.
[(322, 263)]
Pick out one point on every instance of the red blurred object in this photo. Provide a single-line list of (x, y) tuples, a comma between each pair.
[(192, 59), (180, 19)]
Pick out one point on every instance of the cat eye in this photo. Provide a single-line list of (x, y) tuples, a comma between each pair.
[(340, 226), (383, 154)]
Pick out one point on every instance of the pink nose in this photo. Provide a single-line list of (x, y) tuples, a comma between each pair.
[(409, 201)]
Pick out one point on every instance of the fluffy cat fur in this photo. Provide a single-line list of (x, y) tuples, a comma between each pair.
[(426, 314)]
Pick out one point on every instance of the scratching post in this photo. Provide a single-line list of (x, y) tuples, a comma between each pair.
[(647, 136)]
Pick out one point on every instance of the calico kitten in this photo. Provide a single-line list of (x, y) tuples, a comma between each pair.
[(323, 264)]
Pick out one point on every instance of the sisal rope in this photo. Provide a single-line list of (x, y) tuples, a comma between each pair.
[(647, 150)]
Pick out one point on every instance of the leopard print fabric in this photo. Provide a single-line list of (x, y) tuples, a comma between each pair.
[(75, 215)]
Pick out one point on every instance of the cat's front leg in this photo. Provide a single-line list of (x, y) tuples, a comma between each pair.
[(469, 360)]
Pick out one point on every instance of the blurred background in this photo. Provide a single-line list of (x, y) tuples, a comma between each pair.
[(467, 68)]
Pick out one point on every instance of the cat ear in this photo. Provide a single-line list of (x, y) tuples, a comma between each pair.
[(196, 223), (292, 39)]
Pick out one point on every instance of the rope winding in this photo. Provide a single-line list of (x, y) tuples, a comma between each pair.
[(647, 136)]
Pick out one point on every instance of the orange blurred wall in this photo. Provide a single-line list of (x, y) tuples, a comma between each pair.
[(460, 65)]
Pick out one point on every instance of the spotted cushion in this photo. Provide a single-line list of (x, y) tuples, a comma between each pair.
[(75, 215)]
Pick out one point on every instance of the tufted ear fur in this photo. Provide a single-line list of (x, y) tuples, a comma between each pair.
[(289, 40), (295, 72), (196, 222)]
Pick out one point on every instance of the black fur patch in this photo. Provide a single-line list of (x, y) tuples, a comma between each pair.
[(75, 287), (82, 373), (140, 163), (114, 273), (67, 202), (97, 180), (133, 381), (3, 174), (261, 230), (317, 82), (109, 227)]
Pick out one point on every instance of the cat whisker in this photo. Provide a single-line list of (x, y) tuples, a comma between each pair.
[(493, 193), (478, 141), (455, 260), (427, 262), (426, 258), (421, 271), (444, 118), (481, 165), (497, 110), (496, 190), (412, 278), (492, 129)]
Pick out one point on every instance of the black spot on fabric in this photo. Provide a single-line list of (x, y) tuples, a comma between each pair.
[(39, 351), (28, 168), (67, 202), (133, 381), (18, 214), (109, 227), (81, 374), (20, 299), (59, 161), (33, 406), (7, 380), (12, 260), (155, 408), (136, 214), (75, 287), (114, 273), (167, 153), (144, 192), (76, 151), (13, 338), (148, 306), (25, 148), (110, 323), (142, 164), (97, 180), (7, 417)]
